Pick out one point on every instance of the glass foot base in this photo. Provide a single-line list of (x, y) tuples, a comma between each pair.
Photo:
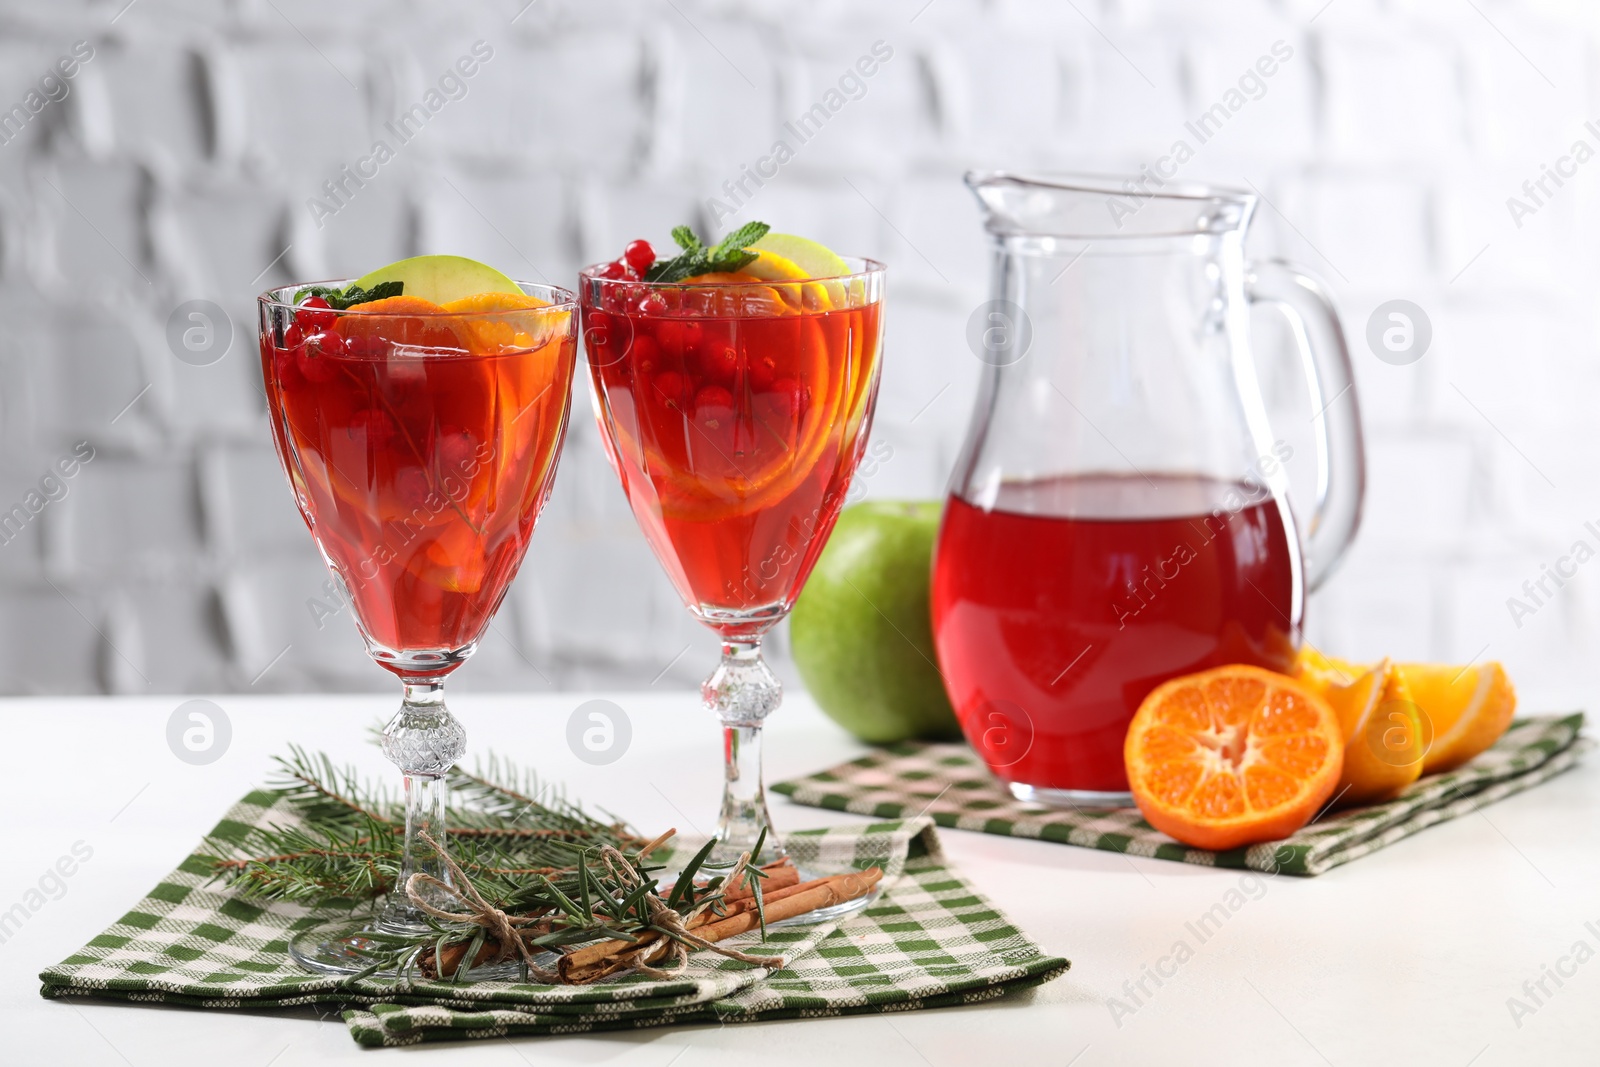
[(1070, 798), (348, 948)]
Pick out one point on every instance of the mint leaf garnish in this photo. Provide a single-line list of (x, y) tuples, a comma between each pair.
[(340, 300), (686, 239), (728, 256)]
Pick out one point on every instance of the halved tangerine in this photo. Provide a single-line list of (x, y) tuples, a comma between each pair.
[(1232, 756)]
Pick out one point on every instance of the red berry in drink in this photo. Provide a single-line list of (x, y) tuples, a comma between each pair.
[(644, 353), (374, 427), (315, 314), (668, 388), (713, 395), (457, 450), (366, 345), (718, 363), (762, 371), (790, 396), (669, 335), (713, 404), (315, 358), (411, 486), (692, 334), (614, 270), (640, 256), (294, 336)]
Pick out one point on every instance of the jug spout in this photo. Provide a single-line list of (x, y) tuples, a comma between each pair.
[(1091, 207)]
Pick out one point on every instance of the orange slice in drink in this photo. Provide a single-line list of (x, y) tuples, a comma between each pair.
[(700, 475), (779, 462), (1232, 756), (486, 331), (399, 320)]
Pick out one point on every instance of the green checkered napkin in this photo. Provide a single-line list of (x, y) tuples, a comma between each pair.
[(930, 940), (950, 783)]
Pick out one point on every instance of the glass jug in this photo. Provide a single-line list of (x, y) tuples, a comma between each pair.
[(1118, 515)]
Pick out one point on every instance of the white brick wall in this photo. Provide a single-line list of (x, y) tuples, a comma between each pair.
[(179, 165)]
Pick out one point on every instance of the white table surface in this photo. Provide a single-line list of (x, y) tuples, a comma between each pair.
[(1406, 956)]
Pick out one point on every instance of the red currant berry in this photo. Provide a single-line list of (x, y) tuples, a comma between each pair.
[(411, 486), (294, 336), (644, 352), (315, 358), (762, 372), (640, 255), (790, 396), (669, 335), (366, 346), (713, 399), (315, 314), (457, 450), (613, 270), (718, 363), (373, 426), (668, 388)]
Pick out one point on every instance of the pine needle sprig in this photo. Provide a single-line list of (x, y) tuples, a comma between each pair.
[(507, 829), (532, 875), (329, 795)]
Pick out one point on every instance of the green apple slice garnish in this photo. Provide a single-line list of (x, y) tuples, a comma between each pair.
[(817, 261), (441, 279)]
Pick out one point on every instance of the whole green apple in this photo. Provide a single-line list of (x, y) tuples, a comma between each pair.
[(861, 632)]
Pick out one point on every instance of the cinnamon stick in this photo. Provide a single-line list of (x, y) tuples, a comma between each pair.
[(597, 961), (825, 894)]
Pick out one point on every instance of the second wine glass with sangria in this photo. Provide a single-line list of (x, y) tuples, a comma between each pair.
[(734, 385)]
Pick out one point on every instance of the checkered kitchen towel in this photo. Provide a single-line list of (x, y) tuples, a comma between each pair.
[(950, 783), (930, 940)]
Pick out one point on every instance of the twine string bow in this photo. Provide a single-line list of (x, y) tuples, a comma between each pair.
[(480, 912)]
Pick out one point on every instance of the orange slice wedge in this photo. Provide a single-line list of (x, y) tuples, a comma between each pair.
[(1320, 671), (1232, 757), (698, 478), (1468, 708), (1464, 709), (1383, 736)]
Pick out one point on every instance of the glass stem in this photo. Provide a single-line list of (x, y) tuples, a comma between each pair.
[(743, 691), (424, 740)]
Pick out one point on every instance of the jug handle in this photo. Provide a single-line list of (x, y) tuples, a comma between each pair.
[(1341, 456)]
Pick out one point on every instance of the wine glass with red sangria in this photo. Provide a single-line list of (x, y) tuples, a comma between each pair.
[(734, 386), (419, 414)]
